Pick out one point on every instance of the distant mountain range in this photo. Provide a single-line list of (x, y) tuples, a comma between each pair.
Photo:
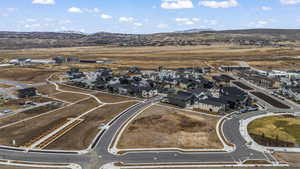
[(259, 37), (194, 31)]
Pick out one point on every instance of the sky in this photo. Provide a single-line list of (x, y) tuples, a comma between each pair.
[(146, 16)]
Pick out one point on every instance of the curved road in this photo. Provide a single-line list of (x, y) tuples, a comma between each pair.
[(100, 155)]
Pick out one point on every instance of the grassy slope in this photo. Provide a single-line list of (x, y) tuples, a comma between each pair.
[(286, 129)]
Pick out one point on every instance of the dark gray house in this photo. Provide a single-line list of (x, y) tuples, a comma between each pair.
[(182, 99), (28, 92)]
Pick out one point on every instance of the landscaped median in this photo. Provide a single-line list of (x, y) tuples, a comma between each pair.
[(162, 127), (276, 131)]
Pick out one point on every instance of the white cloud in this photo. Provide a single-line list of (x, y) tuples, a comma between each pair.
[(75, 10), (266, 8), (176, 4), (65, 22), (219, 4), (104, 16), (91, 10), (188, 21), (162, 26), (137, 24), (31, 20), (126, 19), (290, 2), (44, 2), (11, 9), (259, 24), (32, 25)]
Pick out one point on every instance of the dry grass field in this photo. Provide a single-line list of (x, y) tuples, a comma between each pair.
[(47, 89), (69, 97), (81, 136), (109, 98), (170, 56), (24, 132), (25, 74), (164, 127), (281, 128), (74, 89)]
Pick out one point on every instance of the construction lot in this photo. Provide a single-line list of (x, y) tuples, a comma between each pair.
[(242, 85), (28, 114), (270, 100), (165, 127), (283, 131), (17, 104), (24, 132), (81, 136)]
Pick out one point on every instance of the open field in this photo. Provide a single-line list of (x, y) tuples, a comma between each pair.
[(164, 127), (25, 74), (110, 98), (276, 131), (26, 131), (173, 57), (82, 135)]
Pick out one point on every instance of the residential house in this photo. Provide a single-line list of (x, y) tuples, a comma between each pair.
[(27, 92), (182, 99)]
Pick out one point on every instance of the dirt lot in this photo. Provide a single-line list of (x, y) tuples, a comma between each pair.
[(276, 131), (26, 131), (292, 158), (163, 127), (109, 98), (82, 135), (25, 74)]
